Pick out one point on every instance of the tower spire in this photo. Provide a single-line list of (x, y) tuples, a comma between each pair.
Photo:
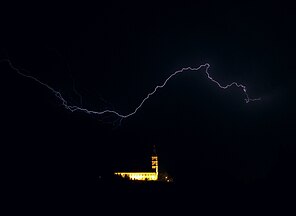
[(154, 150)]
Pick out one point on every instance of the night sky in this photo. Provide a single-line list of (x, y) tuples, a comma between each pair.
[(111, 56)]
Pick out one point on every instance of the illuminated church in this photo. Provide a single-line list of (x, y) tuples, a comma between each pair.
[(143, 176)]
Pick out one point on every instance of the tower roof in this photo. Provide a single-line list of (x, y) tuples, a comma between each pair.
[(154, 151)]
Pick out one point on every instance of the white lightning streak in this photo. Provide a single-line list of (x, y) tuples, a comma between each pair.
[(122, 116)]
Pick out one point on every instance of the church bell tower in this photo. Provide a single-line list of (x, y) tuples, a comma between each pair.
[(154, 161)]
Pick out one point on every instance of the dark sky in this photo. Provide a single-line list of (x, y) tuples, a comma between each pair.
[(114, 55)]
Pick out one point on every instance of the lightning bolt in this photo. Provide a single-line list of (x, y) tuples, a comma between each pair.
[(124, 116)]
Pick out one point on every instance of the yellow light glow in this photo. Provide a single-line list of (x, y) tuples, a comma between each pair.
[(149, 176), (143, 176)]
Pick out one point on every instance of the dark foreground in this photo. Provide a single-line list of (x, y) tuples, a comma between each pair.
[(105, 196), (196, 196)]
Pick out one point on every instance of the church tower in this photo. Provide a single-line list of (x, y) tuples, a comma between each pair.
[(154, 160)]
